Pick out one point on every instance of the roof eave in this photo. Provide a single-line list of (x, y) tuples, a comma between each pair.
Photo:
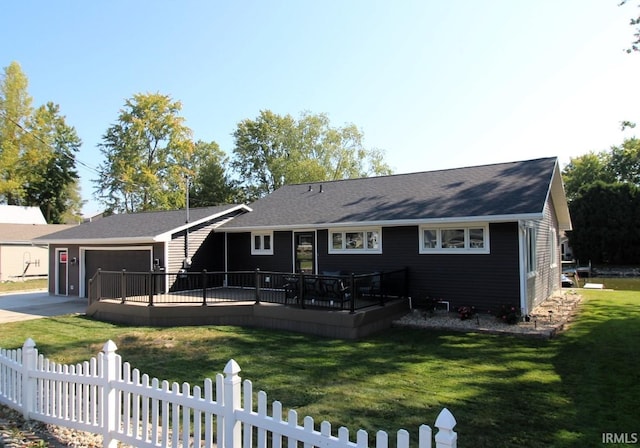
[(166, 236), (391, 223), (98, 241)]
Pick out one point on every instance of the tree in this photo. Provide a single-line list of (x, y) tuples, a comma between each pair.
[(625, 161), (275, 150), (53, 176), (37, 152), (605, 218), (211, 184), (15, 114), (147, 154), (586, 170), (634, 22)]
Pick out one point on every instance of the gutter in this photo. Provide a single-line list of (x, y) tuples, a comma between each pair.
[(391, 222)]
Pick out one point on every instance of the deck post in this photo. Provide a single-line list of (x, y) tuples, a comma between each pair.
[(123, 285), (204, 287), (99, 285), (257, 286), (352, 287), (152, 286), (301, 289)]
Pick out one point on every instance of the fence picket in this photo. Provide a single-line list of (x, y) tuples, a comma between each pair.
[(262, 413), (107, 396), (308, 425), (292, 421), (382, 440), (277, 418), (247, 393)]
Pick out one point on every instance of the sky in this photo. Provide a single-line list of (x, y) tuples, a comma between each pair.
[(434, 84)]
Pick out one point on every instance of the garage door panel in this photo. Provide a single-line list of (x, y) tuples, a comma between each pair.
[(115, 260)]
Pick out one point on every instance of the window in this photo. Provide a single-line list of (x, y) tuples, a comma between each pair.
[(262, 243), (454, 239), (355, 241), (553, 247), (530, 250)]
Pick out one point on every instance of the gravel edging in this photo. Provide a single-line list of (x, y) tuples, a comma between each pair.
[(546, 320), (16, 432)]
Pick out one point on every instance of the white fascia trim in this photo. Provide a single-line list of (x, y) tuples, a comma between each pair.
[(393, 223), (557, 193), (166, 236), (103, 241)]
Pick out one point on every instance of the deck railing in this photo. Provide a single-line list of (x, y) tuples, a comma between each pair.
[(346, 292)]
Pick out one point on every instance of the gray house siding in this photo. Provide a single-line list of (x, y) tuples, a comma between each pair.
[(198, 251), (547, 277)]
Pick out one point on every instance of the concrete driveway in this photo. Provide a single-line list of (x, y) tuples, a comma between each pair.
[(35, 305)]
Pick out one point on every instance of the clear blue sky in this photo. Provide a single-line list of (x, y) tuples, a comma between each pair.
[(436, 84)]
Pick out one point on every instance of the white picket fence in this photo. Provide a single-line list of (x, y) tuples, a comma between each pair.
[(105, 396)]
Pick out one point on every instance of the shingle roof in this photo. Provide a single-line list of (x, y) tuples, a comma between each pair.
[(24, 233), (144, 226), (497, 190)]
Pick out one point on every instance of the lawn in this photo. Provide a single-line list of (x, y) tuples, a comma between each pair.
[(504, 391), (23, 285)]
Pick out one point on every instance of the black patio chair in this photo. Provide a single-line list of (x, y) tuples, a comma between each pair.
[(335, 291)]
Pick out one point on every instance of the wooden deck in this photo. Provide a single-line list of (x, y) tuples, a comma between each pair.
[(237, 306)]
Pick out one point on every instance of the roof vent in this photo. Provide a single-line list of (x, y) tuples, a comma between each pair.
[(320, 188), (310, 188)]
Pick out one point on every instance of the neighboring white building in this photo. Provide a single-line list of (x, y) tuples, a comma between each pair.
[(20, 257), (16, 214)]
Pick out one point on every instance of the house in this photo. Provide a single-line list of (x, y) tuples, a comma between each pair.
[(139, 242), (20, 257), (482, 236)]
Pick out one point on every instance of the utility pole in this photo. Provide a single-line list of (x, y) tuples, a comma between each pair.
[(187, 260)]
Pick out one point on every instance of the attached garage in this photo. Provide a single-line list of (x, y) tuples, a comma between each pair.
[(138, 242)]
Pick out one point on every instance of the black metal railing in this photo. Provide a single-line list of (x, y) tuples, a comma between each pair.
[(345, 292)]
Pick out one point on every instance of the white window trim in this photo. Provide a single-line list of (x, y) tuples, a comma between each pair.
[(531, 251), (260, 250), (344, 250), (466, 250)]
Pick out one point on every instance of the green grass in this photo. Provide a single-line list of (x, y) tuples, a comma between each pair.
[(504, 391), (25, 285)]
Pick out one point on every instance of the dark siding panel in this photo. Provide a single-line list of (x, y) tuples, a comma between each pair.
[(484, 280), (210, 254), (240, 258)]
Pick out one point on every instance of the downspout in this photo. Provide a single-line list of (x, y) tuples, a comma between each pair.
[(522, 268)]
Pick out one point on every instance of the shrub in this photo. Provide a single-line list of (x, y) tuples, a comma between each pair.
[(466, 312), (508, 314)]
